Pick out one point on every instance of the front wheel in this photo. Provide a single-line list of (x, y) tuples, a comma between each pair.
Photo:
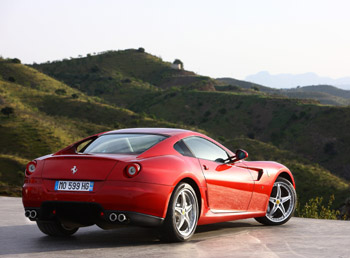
[(281, 205), (55, 228), (182, 215)]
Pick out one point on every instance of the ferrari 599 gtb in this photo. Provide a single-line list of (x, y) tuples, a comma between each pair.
[(172, 179)]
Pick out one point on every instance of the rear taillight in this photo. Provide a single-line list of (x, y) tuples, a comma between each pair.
[(30, 169), (132, 170)]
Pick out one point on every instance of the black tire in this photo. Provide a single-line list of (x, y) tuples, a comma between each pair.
[(55, 228), (182, 215), (282, 203)]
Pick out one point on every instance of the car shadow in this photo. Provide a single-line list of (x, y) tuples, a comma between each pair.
[(28, 239)]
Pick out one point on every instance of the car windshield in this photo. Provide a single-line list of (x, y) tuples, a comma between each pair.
[(123, 143)]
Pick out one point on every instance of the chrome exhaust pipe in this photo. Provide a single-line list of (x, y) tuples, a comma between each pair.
[(27, 213), (121, 217), (33, 214), (113, 217)]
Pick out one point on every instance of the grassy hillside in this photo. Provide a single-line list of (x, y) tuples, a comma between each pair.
[(244, 84), (316, 132), (334, 91), (111, 71), (49, 114)]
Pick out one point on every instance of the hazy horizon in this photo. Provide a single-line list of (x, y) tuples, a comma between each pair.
[(218, 39), (286, 80)]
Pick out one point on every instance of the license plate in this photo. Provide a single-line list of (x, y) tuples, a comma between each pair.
[(85, 186)]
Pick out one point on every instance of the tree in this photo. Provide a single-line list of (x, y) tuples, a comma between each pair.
[(95, 69), (15, 61), (141, 50), (7, 111)]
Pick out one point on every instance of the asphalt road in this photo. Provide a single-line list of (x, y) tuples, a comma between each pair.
[(244, 238)]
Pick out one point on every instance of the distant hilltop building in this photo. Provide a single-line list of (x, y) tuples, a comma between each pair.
[(177, 64)]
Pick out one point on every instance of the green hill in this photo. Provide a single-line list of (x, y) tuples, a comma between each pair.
[(334, 91), (319, 133), (324, 94), (244, 84), (132, 88), (49, 115)]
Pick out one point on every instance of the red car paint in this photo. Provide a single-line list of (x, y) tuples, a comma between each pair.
[(226, 191)]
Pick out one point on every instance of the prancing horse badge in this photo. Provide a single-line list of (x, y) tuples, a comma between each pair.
[(74, 169)]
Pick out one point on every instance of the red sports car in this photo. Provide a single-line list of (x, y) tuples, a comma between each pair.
[(173, 179)]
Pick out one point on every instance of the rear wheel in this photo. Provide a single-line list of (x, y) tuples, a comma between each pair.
[(182, 216), (55, 228), (282, 203)]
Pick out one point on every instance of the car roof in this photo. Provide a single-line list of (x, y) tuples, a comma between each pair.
[(164, 131)]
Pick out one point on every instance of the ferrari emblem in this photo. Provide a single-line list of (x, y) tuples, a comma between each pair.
[(74, 169)]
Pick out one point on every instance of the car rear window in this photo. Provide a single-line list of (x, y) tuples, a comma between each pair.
[(123, 143)]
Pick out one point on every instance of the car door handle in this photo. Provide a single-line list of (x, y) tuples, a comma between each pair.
[(205, 167)]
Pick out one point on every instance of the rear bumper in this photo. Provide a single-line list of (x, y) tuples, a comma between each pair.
[(143, 203), (85, 214)]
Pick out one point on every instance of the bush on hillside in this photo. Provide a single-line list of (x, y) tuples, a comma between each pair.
[(127, 80), (141, 50), (329, 148), (15, 61), (7, 111), (11, 79), (60, 92), (94, 69)]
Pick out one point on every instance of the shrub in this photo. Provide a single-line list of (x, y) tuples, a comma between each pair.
[(329, 148), (75, 96), (7, 111), (314, 209), (222, 139), (60, 92), (222, 111), (99, 92), (141, 50), (207, 113), (127, 80), (94, 69), (15, 61), (11, 79), (251, 135)]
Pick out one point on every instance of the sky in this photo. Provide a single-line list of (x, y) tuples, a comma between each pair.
[(214, 38)]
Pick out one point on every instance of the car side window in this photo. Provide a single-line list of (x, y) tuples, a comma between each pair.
[(204, 149), (182, 149)]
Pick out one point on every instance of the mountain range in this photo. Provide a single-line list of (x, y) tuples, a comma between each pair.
[(286, 80)]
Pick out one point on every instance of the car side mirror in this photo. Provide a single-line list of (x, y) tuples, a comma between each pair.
[(240, 154)]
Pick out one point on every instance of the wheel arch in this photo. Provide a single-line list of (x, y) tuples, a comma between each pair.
[(286, 175), (195, 187)]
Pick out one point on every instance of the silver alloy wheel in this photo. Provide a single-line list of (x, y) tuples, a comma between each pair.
[(281, 202), (186, 210)]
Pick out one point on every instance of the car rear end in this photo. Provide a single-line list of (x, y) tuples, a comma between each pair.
[(94, 187)]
